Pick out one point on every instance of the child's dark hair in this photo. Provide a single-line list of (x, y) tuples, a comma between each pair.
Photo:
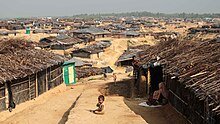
[(101, 97)]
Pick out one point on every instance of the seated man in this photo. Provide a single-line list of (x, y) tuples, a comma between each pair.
[(159, 96)]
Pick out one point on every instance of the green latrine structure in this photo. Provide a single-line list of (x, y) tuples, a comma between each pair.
[(69, 72), (28, 30)]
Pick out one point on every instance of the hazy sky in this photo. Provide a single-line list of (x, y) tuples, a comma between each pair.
[(25, 8)]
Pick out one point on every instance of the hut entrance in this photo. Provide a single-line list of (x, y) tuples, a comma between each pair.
[(155, 76)]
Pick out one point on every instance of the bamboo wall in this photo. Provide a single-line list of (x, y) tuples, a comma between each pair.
[(2, 97), (185, 101), (30, 87)]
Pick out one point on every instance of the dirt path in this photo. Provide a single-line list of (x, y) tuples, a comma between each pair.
[(116, 110), (72, 105), (49, 108), (66, 105)]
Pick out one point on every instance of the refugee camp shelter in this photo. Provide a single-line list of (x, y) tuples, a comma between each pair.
[(80, 63), (37, 31), (69, 72), (8, 33), (87, 53), (107, 69), (93, 51), (60, 42), (148, 78), (88, 71), (26, 72), (126, 58), (191, 74), (3, 33), (94, 31), (130, 34), (3, 25)]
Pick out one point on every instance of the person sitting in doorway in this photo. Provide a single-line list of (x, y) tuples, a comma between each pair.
[(159, 96)]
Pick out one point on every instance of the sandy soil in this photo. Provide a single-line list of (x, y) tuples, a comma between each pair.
[(116, 110), (71, 105), (48, 108), (111, 54), (164, 115)]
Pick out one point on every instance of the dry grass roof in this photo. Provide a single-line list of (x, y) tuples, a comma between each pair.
[(89, 71), (196, 64), (19, 58)]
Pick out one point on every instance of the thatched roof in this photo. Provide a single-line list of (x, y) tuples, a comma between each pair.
[(95, 48), (128, 55), (87, 72), (130, 33), (59, 40), (18, 59), (196, 64), (91, 30), (79, 63), (133, 51)]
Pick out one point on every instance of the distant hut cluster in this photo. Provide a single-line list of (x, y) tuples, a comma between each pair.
[(26, 72), (60, 42), (88, 71), (213, 28), (83, 68), (90, 34), (165, 36), (92, 51)]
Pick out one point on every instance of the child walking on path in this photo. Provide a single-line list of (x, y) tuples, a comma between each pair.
[(114, 78)]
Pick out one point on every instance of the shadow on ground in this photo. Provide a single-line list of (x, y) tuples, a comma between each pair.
[(121, 88), (163, 115), (65, 116)]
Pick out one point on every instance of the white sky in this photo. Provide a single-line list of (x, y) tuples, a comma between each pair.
[(27, 8)]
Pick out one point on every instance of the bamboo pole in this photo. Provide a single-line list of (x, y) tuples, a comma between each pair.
[(46, 80), (6, 96), (36, 86), (29, 83), (148, 81)]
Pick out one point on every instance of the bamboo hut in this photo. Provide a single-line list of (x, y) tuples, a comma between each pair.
[(191, 73), (26, 72)]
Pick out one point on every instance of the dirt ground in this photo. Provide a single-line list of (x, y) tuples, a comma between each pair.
[(71, 105), (48, 108), (116, 110), (163, 115)]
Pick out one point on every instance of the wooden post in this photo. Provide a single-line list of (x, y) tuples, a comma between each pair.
[(43, 82), (143, 86), (46, 81), (148, 82), (36, 86), (29, 83), (6, 96)]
